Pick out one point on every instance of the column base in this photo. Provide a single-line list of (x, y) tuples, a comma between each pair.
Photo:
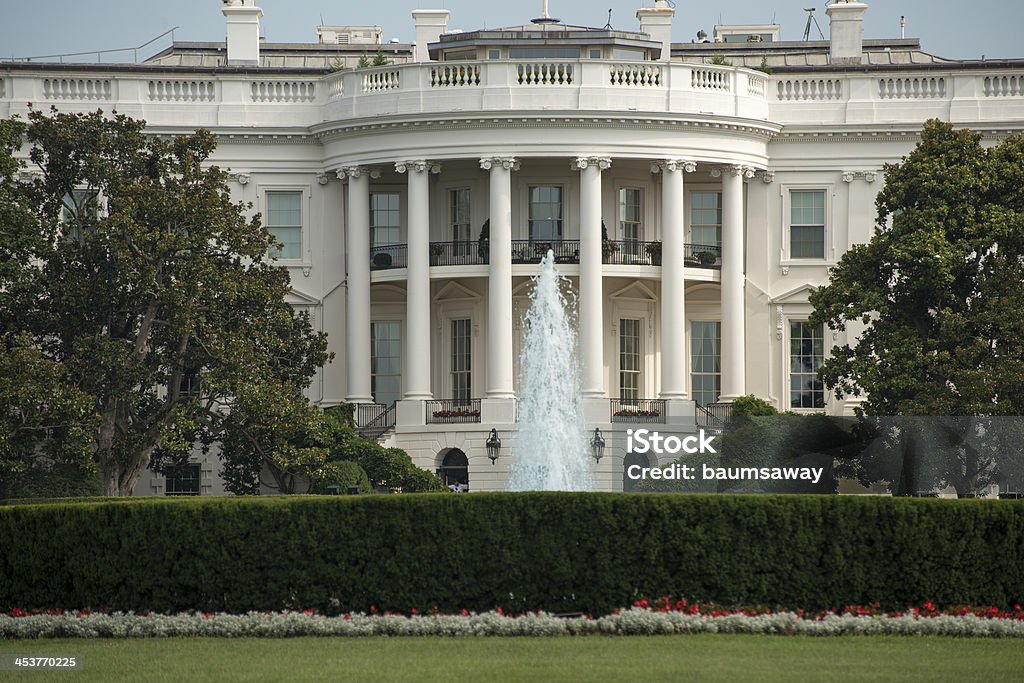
[(359, 399), (498, 411), (681, 412), (410, 413)]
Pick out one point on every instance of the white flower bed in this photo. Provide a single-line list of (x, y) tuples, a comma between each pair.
[(631, 622)]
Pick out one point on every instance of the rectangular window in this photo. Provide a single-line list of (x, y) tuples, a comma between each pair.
[(706, 361), (386, 361), (629, 220), (79, 203), (493, 54), (385, 218), (596, 53), (284, 220), (806, 355), (459, 211), (706, 218), (807, 224), (190, 384), (462, 359), (546, 213), (182, 480), (629, 359)]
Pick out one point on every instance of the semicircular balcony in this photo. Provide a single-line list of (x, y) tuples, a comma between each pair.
[(503, 86)]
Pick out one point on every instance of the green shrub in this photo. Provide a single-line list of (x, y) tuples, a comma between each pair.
[(752, 406), (342, 474), (553, 551)]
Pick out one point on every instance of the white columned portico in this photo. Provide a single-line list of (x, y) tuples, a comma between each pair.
[(673, 284), (733, 358), (500, 385), (591, 281), (417, 316), (357, 262)]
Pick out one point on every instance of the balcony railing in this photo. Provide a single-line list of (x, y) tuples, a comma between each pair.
[(472, 253), (638, 410), (453, 411), (532, 251), (373, 420), (458, 254), (389, 256)]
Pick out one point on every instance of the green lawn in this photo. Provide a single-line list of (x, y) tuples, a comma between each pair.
[(661, 658)]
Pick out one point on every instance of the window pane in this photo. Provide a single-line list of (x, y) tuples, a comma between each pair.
[(386, 361), (706, 218), (807, 242), (629, 359), (462, 359), (705, 357), (385, 218), (284, 220), (807, 346), (545, 213)]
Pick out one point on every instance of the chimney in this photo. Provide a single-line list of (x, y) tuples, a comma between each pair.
[(243, 20), (657, 23), (847, 31), (430, 24)]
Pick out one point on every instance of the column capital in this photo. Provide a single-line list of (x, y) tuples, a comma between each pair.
[(418, 166), (767, 177), (867, 176), (357, 172), (580, 163), (507, 163), (733, 170), (685, 165)]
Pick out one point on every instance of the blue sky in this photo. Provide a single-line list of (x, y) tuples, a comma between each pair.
[(964, 30)]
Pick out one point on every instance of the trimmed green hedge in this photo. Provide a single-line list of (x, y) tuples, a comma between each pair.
[(552, 551)]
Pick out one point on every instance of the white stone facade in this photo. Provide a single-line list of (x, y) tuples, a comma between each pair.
[(725, 194)]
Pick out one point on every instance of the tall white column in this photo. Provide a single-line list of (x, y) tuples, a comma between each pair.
[(499, 295), (417, 299), (357, 262), (673, 284), (734, 381), (591, 281)]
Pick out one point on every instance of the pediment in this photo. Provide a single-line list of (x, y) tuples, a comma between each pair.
[(453, 291), (799, 295), (635, 291), (296, 297)]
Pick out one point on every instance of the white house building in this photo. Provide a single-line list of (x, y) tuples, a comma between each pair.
[(693, 193)]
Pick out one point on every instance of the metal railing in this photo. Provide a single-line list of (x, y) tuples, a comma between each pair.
[(374, 420), (453, 411), (532, 251), (389, 256), (639, 253), (706, 419), (722, 412), (638, 410), (703, 256), (467, 253), (99, 53)]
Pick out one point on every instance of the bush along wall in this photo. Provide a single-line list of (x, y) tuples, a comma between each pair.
[(590, 553)]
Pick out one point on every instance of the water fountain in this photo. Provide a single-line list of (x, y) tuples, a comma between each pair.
[(551, 446)]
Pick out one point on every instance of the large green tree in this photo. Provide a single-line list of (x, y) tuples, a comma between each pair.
[(140, 277), (939, 291)]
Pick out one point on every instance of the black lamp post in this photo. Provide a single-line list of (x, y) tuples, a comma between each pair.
[(597, 445), (493, 446)]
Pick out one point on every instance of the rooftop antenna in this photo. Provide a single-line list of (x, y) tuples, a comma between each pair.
[(608, 26), (807, 28), (544, 17)]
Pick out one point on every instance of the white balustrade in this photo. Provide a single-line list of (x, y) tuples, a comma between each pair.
[(911, 88), (545, 73), (283, 91), (636, 75), (77, 88), (378, 81), (809, 89), (1004, 86), (454, 75), (757, 85), (711, 79), (181, 91)]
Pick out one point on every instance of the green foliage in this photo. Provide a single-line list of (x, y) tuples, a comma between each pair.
[(484, 240), (719, 60), (341, 474), (165, 280), (752, 406), (764, 68), (938, 291), (553, 551)]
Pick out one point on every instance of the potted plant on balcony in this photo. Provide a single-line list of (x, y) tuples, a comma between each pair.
[(382, 260), (706, 258), (483, 248), (654, 251), (608, 248), (437, 250)]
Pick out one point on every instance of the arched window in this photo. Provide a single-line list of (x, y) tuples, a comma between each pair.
[(454, 471), (632, 459)]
